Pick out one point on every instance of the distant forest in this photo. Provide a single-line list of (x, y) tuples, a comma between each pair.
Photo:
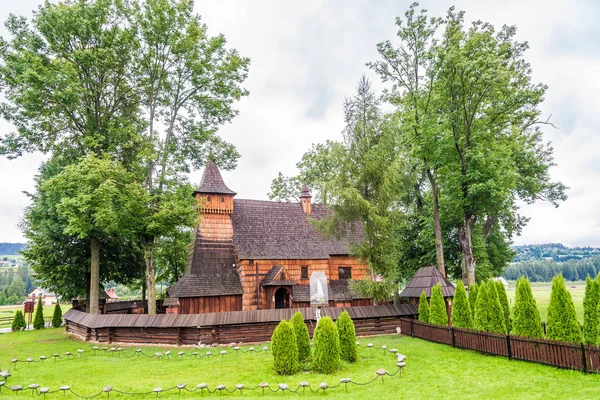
[(10, 249)]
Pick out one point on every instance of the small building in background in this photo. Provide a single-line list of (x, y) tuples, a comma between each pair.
[(422, 281), (111, 295), (48, 298), (501, 280)]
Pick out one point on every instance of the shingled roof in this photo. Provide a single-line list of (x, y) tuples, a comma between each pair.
[(424, 279), (212, 182), (271, 230), (209, 270)]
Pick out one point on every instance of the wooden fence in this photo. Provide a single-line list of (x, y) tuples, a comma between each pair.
[(575, 356), (6, 322)]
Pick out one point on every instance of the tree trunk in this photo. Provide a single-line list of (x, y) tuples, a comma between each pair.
[(437, 226), (465, 237), (94, 297), (150, 275)]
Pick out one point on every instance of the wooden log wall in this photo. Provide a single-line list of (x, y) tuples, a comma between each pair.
[(208, 304)]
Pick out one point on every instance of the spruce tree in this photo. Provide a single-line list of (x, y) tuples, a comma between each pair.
[(473, 299), (38, 319), (18, 321), (590, 311), (496, 317), (437, 311), (505, 306), (302, 337), (347, 333), (57, 316), (284, 349), (327, 347), (461, 309), (481, 321), (562, 321), (526, 316), (423, 308)]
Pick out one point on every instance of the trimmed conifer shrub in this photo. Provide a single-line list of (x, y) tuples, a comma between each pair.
[(495, 311), (326, 341), (18, 321), (461, 309), (437, 310), (347, 333), (590, 311), (302, 337), (503, 297), (481, 320), (526, 316), (57, 316), (473, 299), (284, 349), (562, 321), (423, 308), (38, 319)]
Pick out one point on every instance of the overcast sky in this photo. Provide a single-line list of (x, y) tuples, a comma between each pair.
[(307, 56)]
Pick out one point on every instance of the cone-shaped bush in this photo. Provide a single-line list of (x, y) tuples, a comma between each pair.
[(285, 350), (503, 297), (437, 311), (461, 310), (495, 311), (481, 320), (473, 299), (590, 311), (526, 316), (57, 316), (18, 321), (326, 340), (347, 333), (38, 320), (423, 308), (302, 338), (562, 321)]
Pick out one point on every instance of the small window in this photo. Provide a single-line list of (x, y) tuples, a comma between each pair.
[(222, 199), (208, 198), (303, 272), (345, 272)]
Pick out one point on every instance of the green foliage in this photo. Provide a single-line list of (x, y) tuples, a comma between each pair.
[(38, 319), (437, 312), (473, 288), (570, 265), (18, 321), (526, 316), (461, 309), (57, 316), (326, 341), (482, 319), (423, 308), (347, 334), (285, 349), (302, 337), (562, 321), (503, 297), (496, 316), (590, 311)]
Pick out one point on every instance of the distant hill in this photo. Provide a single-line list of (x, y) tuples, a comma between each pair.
[(553, 251), (11, 249)]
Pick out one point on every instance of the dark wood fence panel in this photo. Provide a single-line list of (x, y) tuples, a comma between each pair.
[(434, 333), (483, 342)]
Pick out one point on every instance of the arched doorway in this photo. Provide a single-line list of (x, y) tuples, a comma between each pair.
[(282, 298)]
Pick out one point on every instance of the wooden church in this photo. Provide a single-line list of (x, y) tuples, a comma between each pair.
[(257, 255)]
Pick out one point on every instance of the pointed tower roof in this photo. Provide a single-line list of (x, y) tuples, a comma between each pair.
[(212, 182), (305, 192)]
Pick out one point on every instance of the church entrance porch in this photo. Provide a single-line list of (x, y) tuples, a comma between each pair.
[(282, 298)]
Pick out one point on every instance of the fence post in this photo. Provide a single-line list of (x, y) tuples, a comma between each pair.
[(583, 358), (412, 329), (453, 339), (509, 349)]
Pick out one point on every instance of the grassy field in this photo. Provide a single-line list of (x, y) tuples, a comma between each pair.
[(9, 311), (433, 371)]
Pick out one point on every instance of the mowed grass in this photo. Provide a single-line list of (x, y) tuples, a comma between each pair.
[(9, 311), (432, 371)]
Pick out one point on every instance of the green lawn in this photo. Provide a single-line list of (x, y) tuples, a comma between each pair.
[(9, 311), (433, 371)]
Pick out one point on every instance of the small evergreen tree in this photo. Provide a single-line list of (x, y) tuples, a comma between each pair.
[(562, 321), (347, 333), (302, 337), (590, 311), (57, 316), (503, 297), (284, 349), (437, 311), (18, 321), (526, 321), (495, 311), (423, 308), (326, 340), (461, 309), (481, 321), (38, 319), (473, 299)]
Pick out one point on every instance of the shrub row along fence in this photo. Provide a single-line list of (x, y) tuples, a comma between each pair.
[(575, 356), (6, 322)]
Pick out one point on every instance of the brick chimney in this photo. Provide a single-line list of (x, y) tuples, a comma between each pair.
[(305, 200)]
